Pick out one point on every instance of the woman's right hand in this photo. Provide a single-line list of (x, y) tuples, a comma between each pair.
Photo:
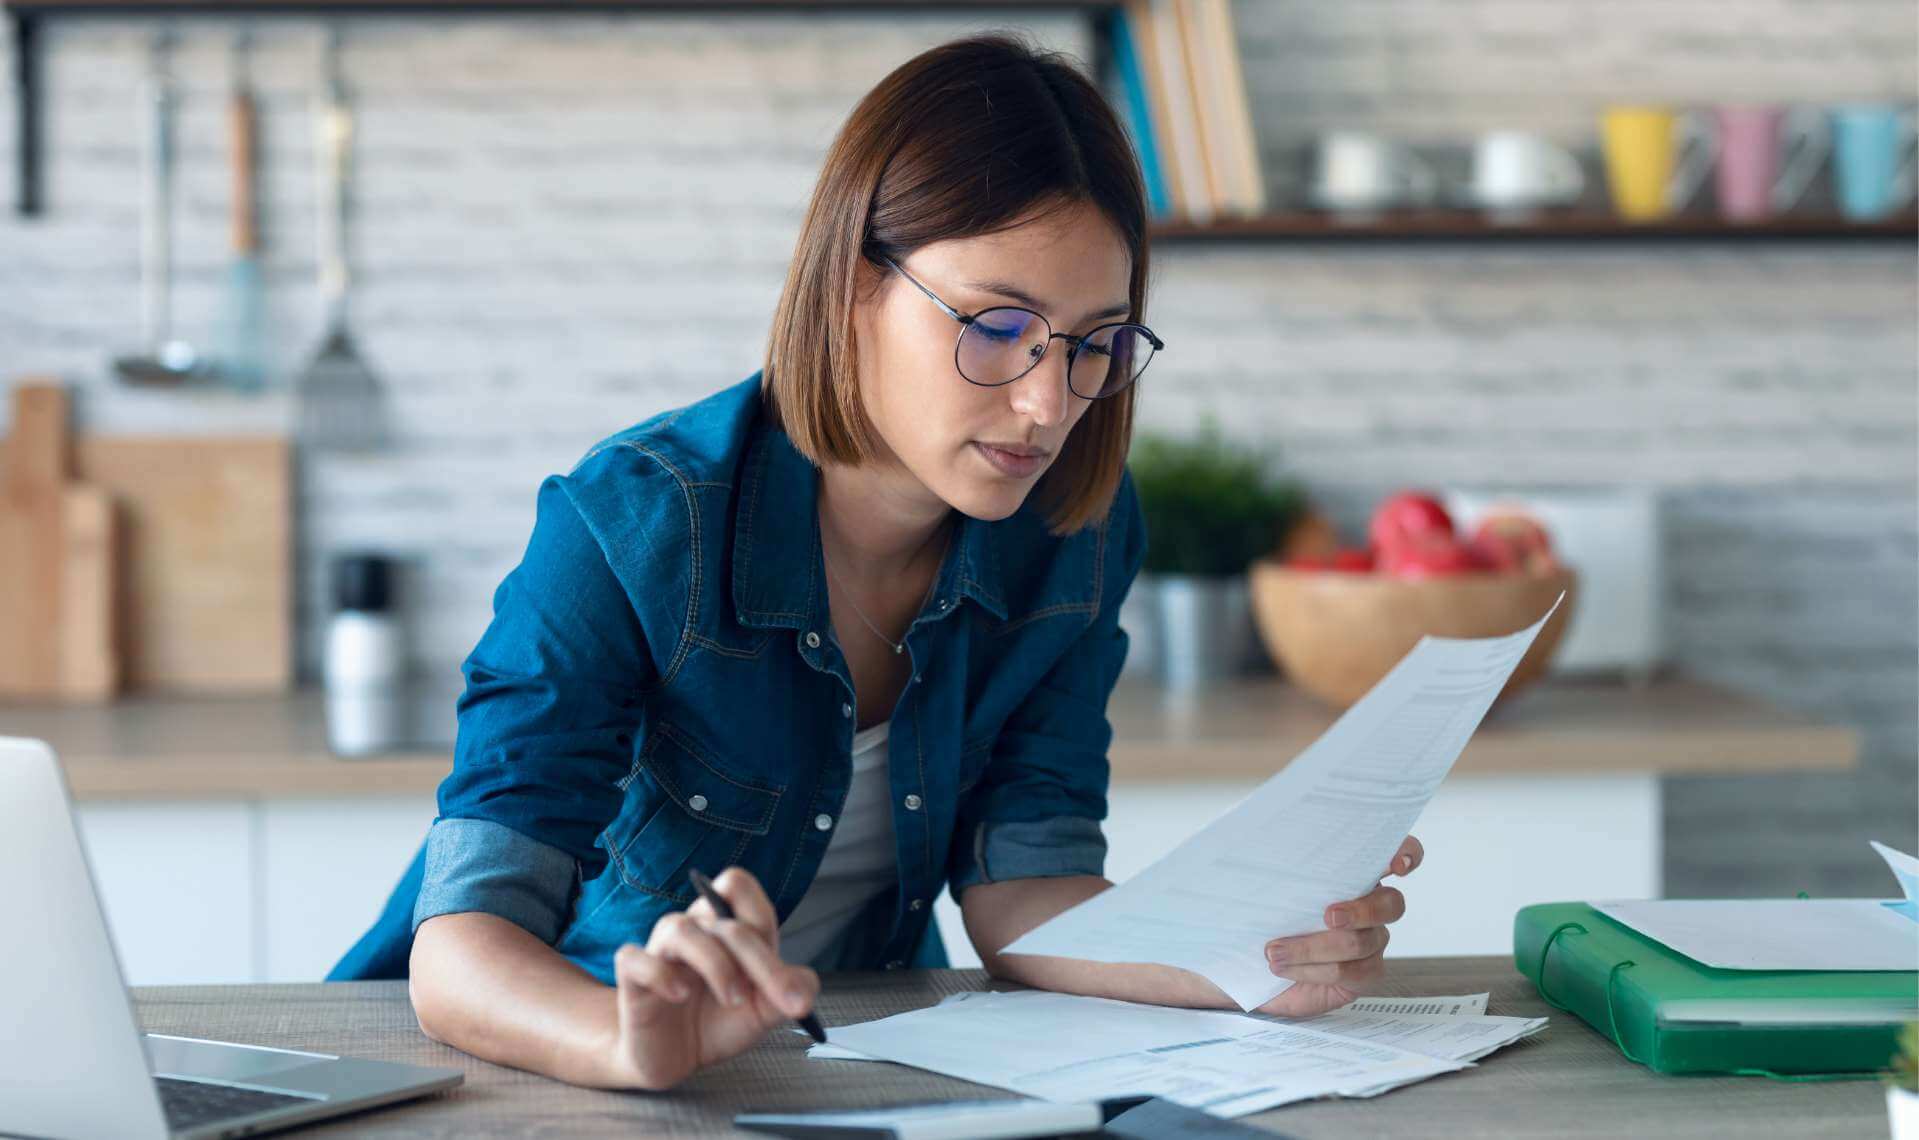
[(704, 988)]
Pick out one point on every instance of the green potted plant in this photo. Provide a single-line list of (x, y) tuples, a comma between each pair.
[(1211, 509), (1902, 1085)]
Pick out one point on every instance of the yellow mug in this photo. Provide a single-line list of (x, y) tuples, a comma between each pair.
[(1656, 159)]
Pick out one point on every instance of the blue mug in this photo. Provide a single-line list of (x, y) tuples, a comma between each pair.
[(1872, 159)]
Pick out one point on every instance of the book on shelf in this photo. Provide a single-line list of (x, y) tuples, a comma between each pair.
[(1140, 116), (1182, 95), (1232, 109)]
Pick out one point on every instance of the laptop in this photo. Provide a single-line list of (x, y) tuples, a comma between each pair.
[(73, 1062)]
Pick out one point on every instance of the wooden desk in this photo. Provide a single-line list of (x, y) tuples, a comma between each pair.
[(1567, 1082)]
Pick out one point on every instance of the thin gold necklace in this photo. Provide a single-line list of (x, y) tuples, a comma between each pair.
[(897, 647)]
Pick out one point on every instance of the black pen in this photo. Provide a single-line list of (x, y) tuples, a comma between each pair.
[(721, 907)]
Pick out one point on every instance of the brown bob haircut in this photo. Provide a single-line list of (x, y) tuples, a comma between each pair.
[(971, 137)]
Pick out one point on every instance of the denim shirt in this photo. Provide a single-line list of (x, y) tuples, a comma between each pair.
[(660, 688)]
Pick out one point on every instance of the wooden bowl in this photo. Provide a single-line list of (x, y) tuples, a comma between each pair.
[(1337, 633)]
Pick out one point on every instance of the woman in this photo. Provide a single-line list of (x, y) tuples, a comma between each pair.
[(843, 633)]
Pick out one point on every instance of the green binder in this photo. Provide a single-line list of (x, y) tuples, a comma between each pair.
[(1674, 1015)]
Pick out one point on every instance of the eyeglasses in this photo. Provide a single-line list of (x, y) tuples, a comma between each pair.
[(1001, 344)]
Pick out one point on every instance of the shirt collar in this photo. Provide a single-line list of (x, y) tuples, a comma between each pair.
[(778, 579)]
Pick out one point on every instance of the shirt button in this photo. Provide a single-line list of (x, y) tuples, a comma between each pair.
[(913, 803), (895, 964), (823, 821), (916, 678), (812, 640), (697, 802), (916, 904), (846, 710)]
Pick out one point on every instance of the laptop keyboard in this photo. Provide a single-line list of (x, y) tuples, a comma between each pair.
[(192, 1103)]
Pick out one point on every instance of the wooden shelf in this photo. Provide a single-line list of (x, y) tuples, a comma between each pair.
[(1547, 226)]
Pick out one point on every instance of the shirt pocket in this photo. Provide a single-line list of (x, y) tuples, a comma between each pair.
[(974, 758), (683, 808)]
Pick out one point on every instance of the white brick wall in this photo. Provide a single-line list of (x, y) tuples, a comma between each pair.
[(564, 225), (1439, 71)]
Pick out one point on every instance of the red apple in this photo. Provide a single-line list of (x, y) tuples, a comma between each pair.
[(1511, 540), (1430, 556), (1492, 550), (1353, 559), (1407, 516)]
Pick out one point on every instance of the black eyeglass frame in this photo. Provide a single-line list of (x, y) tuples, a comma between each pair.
[(1072, 342)]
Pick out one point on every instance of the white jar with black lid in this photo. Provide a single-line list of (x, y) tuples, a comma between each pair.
[(365, 659)]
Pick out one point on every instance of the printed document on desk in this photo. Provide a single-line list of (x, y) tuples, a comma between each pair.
[(1459, 1006), (1451, 1037), (1452, 1028), (1320, 830), (1065, 1047)]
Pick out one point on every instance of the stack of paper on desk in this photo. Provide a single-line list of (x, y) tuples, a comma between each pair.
[(1065, 1047), (1320, 831)]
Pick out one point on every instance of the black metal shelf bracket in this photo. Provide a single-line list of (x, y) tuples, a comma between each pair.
[(23, 30)]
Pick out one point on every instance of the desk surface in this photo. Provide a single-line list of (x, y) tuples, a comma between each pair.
[(1567, 1082), (258, 747)]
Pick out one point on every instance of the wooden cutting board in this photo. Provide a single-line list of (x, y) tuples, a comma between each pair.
[(209, 537), (59, 556), (206, 592)]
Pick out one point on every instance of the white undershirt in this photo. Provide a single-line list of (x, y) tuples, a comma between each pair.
[(860, 859)]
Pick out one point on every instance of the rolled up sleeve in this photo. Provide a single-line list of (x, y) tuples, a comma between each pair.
[(1036, 810), (479, 865), (546, 728)]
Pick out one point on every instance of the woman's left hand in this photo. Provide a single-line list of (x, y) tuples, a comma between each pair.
[(1338, 964)]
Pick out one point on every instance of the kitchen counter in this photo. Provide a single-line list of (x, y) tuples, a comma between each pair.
[(144, 748), (293, 850)]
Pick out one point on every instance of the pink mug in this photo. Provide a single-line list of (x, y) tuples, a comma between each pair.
[(1767, 157)]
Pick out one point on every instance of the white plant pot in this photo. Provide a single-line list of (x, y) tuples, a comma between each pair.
[(1902, 1109)]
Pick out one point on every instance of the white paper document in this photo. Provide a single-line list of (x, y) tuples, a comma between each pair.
[(1785, 934), (1064, 1047), (1320, 831), (1423, 1018), (1905, 869), (1453, 1037), (1453, 1006)]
